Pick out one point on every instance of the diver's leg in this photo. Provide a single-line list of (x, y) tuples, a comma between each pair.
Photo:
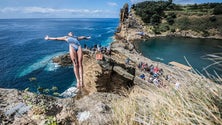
[(80, 58), (74, 58)]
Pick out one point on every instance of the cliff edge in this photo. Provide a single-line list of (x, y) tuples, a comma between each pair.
[(116, 92)]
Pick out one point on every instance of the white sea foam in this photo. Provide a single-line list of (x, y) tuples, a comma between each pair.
[(107, 41), (110, 31), (70, 92), (108, 28), (40, 64), (51, 66), (87, 28)]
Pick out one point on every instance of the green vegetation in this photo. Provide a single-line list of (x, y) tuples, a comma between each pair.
[(217, 10), (166, 16), (51, 121), (203, 24), (151, 11)]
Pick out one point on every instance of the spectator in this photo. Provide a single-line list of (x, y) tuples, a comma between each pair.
[(142, 76), (127, 61), (108, 50)]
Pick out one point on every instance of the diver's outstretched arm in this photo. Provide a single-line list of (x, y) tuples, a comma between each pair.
[(55, 38)]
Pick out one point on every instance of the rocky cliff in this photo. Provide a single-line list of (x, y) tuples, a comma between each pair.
[(106, 80)]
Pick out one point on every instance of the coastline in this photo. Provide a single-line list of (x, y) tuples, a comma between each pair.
[(127, 37), (106, 80), (130, 27), (133, 24), (186, 34)]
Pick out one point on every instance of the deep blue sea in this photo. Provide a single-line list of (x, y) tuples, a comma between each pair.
[(167, 49), (25, 54)]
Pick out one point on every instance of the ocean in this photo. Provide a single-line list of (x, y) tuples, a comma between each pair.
[(26, 58)]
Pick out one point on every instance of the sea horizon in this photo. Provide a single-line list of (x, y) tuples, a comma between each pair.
[(62, 18)]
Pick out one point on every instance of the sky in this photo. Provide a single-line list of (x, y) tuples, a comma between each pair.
[(70, 8)]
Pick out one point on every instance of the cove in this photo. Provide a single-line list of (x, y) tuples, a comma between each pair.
[(167, 49)]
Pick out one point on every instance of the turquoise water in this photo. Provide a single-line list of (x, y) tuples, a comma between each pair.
[(167, 49)]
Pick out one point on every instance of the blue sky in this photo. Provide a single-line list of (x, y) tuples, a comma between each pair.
[(70, 8)]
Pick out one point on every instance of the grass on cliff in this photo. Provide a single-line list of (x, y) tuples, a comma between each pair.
[(165, 16), (198, 24), (199, 102)]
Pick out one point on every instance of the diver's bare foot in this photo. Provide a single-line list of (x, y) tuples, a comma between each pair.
[(81, 84)]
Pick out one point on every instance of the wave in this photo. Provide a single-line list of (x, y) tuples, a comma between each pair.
[(108, 41), (51, 66), (110, 31), (87, 28), (4, 38), (109, 28), (44, 62)]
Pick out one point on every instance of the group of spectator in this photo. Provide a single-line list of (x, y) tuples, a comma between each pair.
[(154, 73)]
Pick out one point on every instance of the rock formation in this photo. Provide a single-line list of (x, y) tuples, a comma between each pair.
[(106, 80), (130, 27), (124, 12)]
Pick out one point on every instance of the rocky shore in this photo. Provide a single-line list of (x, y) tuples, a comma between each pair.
[(106, 80)]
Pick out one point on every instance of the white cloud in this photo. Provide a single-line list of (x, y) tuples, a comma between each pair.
[(38, 10), (112, 4), (49, 10), (136, 1), (174, 1), (41, 12), (184, 1), (9, 9)]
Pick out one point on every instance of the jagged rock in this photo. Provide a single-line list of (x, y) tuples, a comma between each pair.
[(130, 47), (123, 72), (98, 107), (63, 60), (124, 12), (106, 80), (17, 110), (102, 108)]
